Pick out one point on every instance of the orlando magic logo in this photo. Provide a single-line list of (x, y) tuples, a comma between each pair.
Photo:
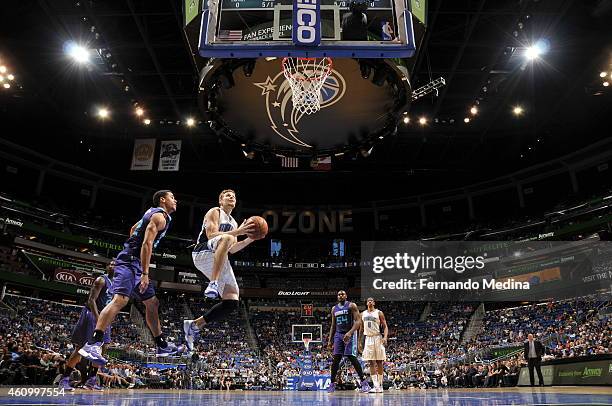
[(284, 119)]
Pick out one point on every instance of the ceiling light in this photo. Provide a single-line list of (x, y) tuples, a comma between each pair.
[(466, 120), (103, 113), (517, 110), (139, 111), (2, 69), (406, 120), (10, 76), (147, 121), (190, 122), (606, 84), (422, 121), (78, 53), (474, 110), (603, 74), (7, 85)]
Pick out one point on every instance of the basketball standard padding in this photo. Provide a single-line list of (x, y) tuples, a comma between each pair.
[(261, 228)]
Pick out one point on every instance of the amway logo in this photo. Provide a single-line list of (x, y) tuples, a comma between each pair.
[(11, 222)]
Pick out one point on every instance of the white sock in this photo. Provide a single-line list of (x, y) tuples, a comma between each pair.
[(380, 381), (375, 380)]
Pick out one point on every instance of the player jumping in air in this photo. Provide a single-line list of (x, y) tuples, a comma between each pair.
[(132, 277), (210, 256), (374, 352), (343, 339), (99, 296)]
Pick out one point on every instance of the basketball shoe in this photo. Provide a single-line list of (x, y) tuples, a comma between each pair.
[(212, 290), (191, 332), (93, 352)]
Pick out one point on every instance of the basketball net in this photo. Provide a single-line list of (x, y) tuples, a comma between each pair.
[(306, 342), (306, 77)]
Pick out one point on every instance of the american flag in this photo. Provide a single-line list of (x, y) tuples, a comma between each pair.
[(230, 35), (321, 164), (289, 162)]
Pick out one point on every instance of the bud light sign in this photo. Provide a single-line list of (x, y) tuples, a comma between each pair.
[(306, 22)]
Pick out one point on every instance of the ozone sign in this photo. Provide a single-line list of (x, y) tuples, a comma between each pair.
[(306, 22)]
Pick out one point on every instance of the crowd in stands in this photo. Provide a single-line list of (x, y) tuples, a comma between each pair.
[(425, 349)]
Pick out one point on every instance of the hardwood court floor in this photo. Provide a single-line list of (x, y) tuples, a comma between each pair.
[(451, 397)]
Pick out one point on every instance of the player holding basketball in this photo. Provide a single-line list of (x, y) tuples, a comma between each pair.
[(344, 326), (132, 277), (216, 240), (99, 296), (371, 321)]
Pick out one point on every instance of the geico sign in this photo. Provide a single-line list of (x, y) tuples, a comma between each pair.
[(306, 19), (307, 221)]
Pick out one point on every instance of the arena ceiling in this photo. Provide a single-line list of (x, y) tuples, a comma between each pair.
[(476, 45)]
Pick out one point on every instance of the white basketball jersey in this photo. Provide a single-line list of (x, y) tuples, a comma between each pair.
[(371, 323), (226, 223)]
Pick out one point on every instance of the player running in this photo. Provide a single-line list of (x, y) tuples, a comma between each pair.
[(132, 277), (210, 256), (99, 297)]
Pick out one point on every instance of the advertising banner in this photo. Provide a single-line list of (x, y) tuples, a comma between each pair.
[(169, 156), (142, 158)]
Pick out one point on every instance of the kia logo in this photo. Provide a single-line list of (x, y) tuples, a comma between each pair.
[(65, 277), (87, 280)]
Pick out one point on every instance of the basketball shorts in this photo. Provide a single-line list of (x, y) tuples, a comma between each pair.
[(203, 261), (373, 349), (126, 280), (340, 348), (85, 327)]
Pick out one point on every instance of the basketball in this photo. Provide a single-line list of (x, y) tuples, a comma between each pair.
[(261, 228)]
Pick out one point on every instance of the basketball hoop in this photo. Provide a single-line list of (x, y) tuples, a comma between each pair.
[(306, 342), (306, 77)]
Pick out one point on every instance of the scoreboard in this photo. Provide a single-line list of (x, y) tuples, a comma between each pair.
[(268, 4)]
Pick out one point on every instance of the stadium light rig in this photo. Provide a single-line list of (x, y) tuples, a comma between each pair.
[(190, 122), (432, 86), (103, 113), (77, 52), (538, 49), (517, 110)]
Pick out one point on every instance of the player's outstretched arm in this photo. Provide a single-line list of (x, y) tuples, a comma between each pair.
[(157, 223), (383, 322), (240, 245), (211, 219), (356, 322), (332, 330), (93, 295), (360, 342), (134, 228)]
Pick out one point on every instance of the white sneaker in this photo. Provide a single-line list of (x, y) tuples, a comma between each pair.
[(191, 331), (212, 290), (93, 352)]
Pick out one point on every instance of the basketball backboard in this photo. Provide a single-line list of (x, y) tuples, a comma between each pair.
[(264, 28)]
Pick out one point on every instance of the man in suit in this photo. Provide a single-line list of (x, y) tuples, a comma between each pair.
[(533, 355)]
